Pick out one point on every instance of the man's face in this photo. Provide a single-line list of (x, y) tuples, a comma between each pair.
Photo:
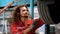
[(24, 12)]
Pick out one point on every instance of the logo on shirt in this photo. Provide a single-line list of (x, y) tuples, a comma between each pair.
[(20, 27)]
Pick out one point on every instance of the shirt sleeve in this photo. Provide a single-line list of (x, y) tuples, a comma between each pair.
[(39, 23)]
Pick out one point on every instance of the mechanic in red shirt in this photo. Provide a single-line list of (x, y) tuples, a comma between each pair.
[(22, 22)]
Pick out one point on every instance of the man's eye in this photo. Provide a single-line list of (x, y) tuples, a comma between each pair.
[(23, 10), (27, 10)]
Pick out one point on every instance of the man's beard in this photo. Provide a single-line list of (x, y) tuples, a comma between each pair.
[(25, 16)]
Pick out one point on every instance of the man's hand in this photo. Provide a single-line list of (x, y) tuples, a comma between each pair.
[(27, 30)]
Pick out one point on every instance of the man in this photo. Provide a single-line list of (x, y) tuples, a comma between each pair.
[(1, 10), (22, 22)]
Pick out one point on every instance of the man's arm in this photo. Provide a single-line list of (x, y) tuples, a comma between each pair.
[(31, 27), (6, 7), (37, 23)]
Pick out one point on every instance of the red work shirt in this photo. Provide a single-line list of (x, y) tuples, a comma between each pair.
[(18, 27)]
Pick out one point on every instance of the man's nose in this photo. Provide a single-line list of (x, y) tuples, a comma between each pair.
[(25, 12)]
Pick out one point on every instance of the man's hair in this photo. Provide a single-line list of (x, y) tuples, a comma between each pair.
[(16, 13)]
